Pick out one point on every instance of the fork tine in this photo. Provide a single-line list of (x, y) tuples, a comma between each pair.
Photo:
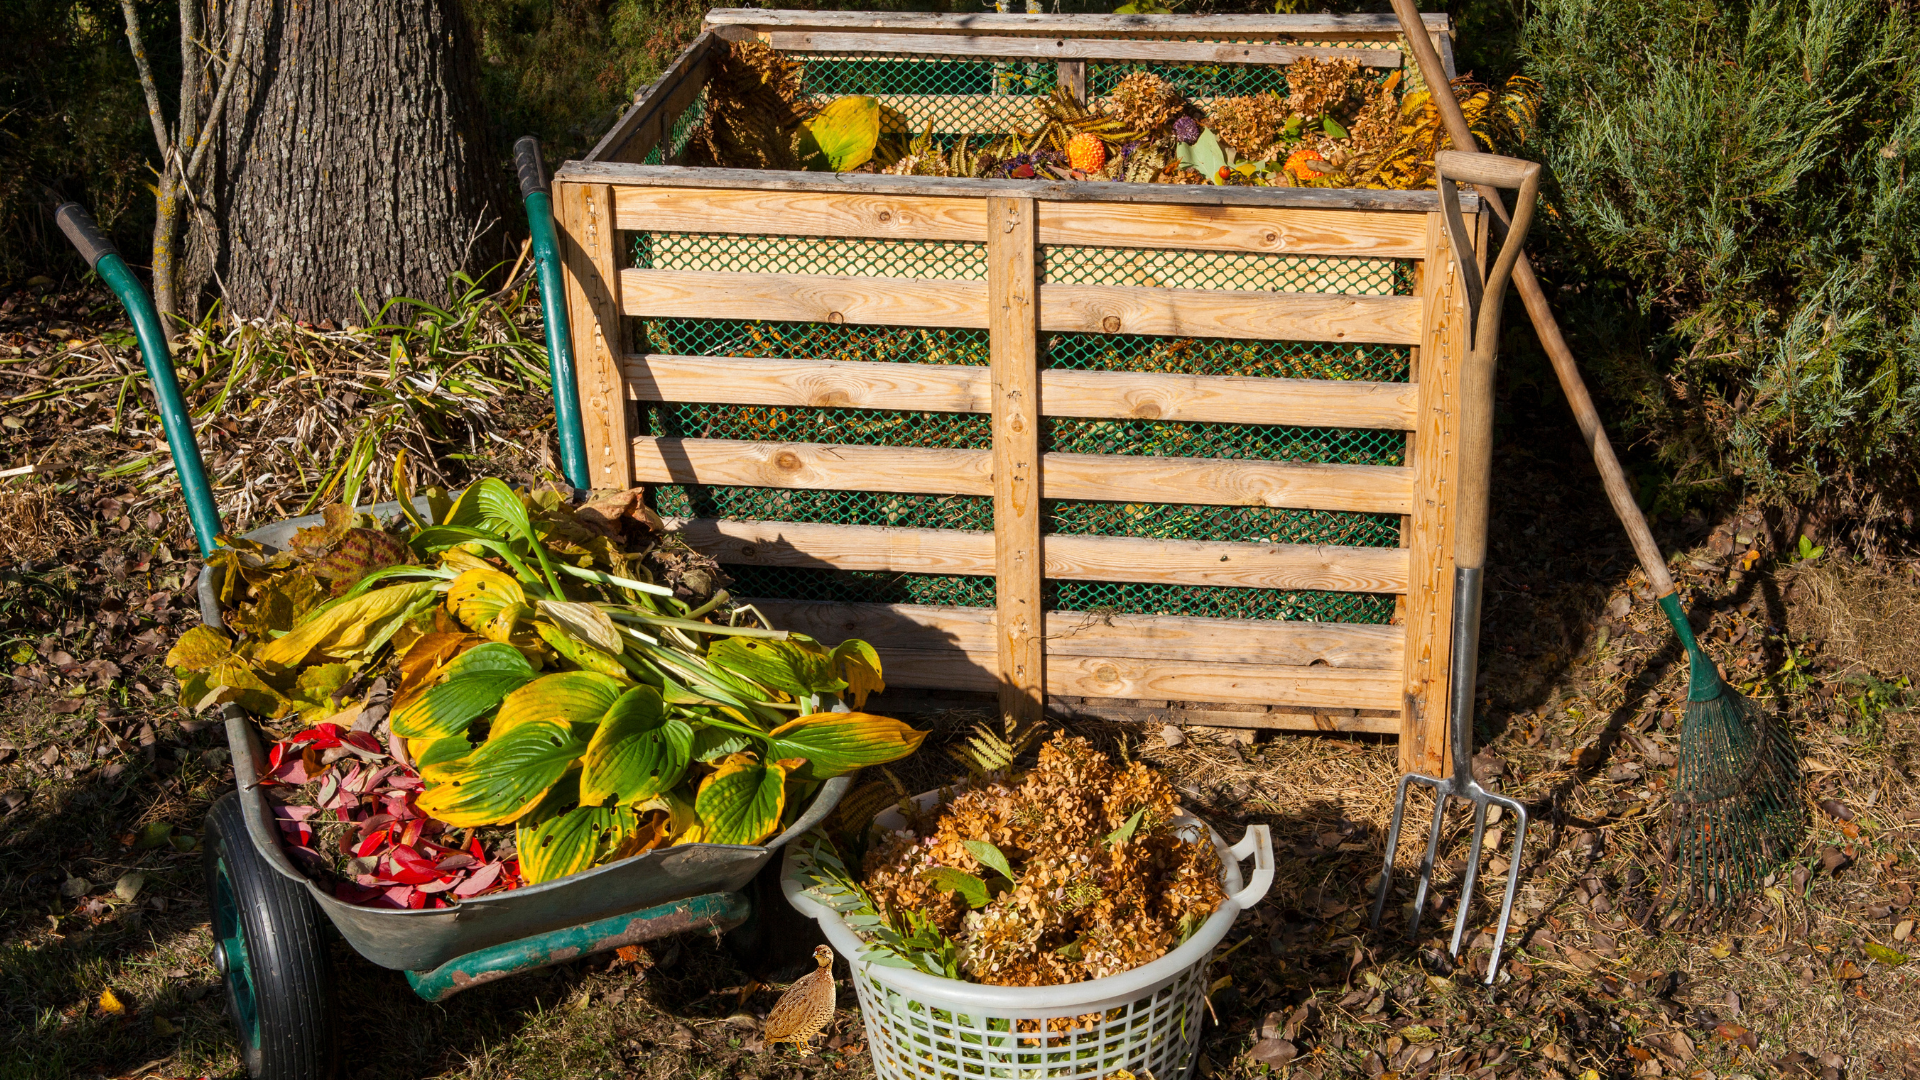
[(1473, 875), (1513, 882), (1426, 863), (1393, 844)]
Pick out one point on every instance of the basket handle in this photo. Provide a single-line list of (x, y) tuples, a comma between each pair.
[(1257, 842)]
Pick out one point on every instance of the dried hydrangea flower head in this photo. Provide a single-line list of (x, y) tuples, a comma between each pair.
[(1251, 125), (1146, 102), (806, 1008), (1319, 86)]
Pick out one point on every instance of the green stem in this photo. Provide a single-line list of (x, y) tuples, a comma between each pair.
[(603, 578), (625, 614)]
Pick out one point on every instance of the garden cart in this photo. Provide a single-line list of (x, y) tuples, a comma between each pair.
[(269, 919)]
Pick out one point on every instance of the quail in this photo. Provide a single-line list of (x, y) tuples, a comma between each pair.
[(805, 1008)]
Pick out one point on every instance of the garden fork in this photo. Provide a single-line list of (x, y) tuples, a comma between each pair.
[(1470, 545)]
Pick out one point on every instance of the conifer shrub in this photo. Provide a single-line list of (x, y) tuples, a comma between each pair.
[(1735, 236)]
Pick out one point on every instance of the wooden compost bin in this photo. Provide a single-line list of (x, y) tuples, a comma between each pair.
[(1142, 450)]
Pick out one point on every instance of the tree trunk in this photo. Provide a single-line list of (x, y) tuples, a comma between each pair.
[(356, 166)]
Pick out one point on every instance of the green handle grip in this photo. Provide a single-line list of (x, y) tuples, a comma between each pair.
[(174, 418)]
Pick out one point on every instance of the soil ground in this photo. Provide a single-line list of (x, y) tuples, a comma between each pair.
[(104, 779)]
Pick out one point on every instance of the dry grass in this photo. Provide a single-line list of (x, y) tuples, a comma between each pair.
[(1870, 618), (33, 527)]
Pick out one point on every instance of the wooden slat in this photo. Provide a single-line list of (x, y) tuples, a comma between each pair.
[(1252, 229), (1119, 309), (1071, 48), (1183, 680), (643, 125), (1014, 337), (811, 465), (623, 173), (587, 239), (1373, 489), (887, 217), (1353, 26), (1258, 643), (703, 294), (1222, 399), (1075, 558), (1112, 309), (1294, 718), (1071, 76)]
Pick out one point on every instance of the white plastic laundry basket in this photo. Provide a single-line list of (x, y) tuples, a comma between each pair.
[(1145, 1021)]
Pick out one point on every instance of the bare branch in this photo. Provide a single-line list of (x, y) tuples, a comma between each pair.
[(219, 106), (146, 80)]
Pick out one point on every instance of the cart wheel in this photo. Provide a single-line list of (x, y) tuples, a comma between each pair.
[(271, 955)]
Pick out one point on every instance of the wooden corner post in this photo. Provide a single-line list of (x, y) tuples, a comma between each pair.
[(587, 247), (1014, 331), (1434, 450)]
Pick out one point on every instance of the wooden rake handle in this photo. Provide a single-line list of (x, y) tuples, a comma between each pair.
[(1544, 324)]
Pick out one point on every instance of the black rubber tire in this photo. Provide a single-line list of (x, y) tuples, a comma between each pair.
[(279, 980)]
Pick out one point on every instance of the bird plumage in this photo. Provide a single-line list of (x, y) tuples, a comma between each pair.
[(806, 1008)]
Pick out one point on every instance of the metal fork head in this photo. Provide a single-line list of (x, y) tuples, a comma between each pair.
[(1461, 786)]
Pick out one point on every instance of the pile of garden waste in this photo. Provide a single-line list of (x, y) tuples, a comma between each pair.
[(497, 693), (1338, 124)]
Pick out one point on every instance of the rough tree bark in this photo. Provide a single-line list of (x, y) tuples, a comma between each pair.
[(355, 165)]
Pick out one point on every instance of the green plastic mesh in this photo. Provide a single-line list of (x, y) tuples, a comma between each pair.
[(678, 134), (814, 340), (1252, 270), (1192, 80), (947, 96), (1203, 601), (944, 260), (1220, 356)]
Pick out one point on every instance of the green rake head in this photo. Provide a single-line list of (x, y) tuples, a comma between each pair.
[(1737, 810)]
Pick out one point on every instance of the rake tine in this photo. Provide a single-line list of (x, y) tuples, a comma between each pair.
[(1473, 875), (1393, 844), (1513, 882), (1426, 862)]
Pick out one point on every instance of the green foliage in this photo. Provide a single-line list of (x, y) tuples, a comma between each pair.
[(1732, 191)]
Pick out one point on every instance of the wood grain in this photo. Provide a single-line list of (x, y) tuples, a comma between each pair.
[(1072, 48), (1359, 27), (889, 217), (1014, 340), (587, 237), (1225, 399), (1259, 643), (642, 126), (1067, 557), (1262, 230), (1119, 309), (673, 176), (1375, 489), (704, 294)]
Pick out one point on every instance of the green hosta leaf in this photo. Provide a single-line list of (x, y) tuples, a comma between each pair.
[(990, 857), (570, 697), (637, 752), (199, 649), (834, 744), (1125, 832), (477, 680), (741, 802), (571, 842), (586, 622), (843, 135), (563, 796), (489, 602), (578, 652), (438, 751), (970, 888), (794, 667), (1332, 127), (503, 778), (858, 665), (710, 744), (341, 631)]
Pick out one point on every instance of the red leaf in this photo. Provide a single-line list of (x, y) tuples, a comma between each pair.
[(323, 736), (375, 823), (364, 740), (439, 886), (275, 755), (480, 881), (373, 842)]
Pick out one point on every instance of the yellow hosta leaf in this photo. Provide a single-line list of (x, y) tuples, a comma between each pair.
[(837, 743), (741, 802), (570, 697), (579, 652), (341, 630), (199, 649), (488, 602), (586, 622)]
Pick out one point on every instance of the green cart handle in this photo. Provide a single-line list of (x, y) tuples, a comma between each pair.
[(174, 418), (553, 305)]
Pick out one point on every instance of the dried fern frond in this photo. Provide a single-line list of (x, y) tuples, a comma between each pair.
[(754, 103), (988, 753)]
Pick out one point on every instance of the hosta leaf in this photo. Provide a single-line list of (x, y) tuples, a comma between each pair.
[(477, 680), (843, 135), (584, 621), (797, 668), (504, 777), (572, 842), (579, 652), (235, 680), (637, 752), (571, 697), (339, 631), (947, 879), (488, 602), (427, 752), (837, 743), (741, 802), (858, 665), (199, 649), (314, 688), (682, 819), (425, 662), (710, 744)]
